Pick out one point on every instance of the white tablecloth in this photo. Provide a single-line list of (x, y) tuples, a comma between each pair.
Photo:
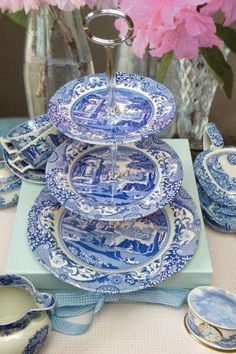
[(137, 328)]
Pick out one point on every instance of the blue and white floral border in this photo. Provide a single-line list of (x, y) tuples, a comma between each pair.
[(36, 176), (215, 192), (70, 151), (185, 236), (162, 100)]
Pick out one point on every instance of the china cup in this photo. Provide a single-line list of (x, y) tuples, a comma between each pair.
[(211, 317)]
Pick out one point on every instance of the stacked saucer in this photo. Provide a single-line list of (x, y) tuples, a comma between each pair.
[(9, 187), (215, 170), (28, 146), (118, 232)]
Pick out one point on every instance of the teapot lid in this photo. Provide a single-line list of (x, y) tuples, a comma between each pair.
[(215, 168)]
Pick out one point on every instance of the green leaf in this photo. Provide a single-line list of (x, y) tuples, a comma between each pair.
[(220, 68), (18, 17), (163, 66), (228, 35)]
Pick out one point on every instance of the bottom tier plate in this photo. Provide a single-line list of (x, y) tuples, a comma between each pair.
[(113, 257)]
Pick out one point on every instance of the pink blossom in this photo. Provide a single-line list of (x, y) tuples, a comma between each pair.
[(17, 5), (4, 5), (166, 25), (103, 4), (192, 30), (69, 5), (66, 5), (228, 7)]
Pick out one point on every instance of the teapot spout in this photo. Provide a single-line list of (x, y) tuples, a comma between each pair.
[(45, 301)]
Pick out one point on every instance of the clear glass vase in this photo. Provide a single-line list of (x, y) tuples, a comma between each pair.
[(127, 61), (194, 89), (56, 52)]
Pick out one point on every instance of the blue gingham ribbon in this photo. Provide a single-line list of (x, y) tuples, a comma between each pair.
[(71, 305)]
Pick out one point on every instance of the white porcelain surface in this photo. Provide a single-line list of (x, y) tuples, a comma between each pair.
[(24, 316)]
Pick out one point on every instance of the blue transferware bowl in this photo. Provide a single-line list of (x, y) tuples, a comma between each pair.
[(215, 168), (219, 217)]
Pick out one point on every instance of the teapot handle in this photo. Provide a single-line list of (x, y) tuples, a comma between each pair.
[(212, 138)]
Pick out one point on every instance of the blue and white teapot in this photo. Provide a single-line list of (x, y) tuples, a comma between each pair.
[(24, 316), (215, 170)]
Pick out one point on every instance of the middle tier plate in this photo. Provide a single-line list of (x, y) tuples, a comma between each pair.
[(149, 175)]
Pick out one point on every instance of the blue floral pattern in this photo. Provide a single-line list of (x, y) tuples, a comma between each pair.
[(39, 123), (36, 341), (88, 255), (8, 200), (221, 218), (143, 107), (214, 305), (215, 136), (151, 173), (216, 173), (43, 301), (8, 181)]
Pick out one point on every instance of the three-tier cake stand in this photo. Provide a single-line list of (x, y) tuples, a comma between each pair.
[(113, 218)]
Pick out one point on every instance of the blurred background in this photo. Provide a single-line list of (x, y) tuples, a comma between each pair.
[(12, 96)]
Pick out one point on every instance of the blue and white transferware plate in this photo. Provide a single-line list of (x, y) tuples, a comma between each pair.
[(113, 257), (35, 176), (149, 176), (142, 107), (9, 187), (216, 173), (29, 129), (8, 181), (211, 317), (9, 199), (220, 217)]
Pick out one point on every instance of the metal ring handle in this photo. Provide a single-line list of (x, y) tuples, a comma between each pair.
[(108, 12)]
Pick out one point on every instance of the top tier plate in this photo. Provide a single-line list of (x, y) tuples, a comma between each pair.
[(142, 107)]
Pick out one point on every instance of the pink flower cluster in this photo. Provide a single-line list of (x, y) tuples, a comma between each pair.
[(181, 26), (17, 5), (67, 5)]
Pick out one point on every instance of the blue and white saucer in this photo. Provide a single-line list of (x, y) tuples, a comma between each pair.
[(219, 217), (149, 176), (216, 172), (211, 317), (113, 257), (9, 187), (35, 176), (142, 107), (29, 128), (8, 181)]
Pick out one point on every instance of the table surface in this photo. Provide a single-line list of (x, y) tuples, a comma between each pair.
[(137, 328)]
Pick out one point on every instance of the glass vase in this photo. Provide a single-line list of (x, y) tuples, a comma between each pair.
[(56, 52), (194, 89)]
